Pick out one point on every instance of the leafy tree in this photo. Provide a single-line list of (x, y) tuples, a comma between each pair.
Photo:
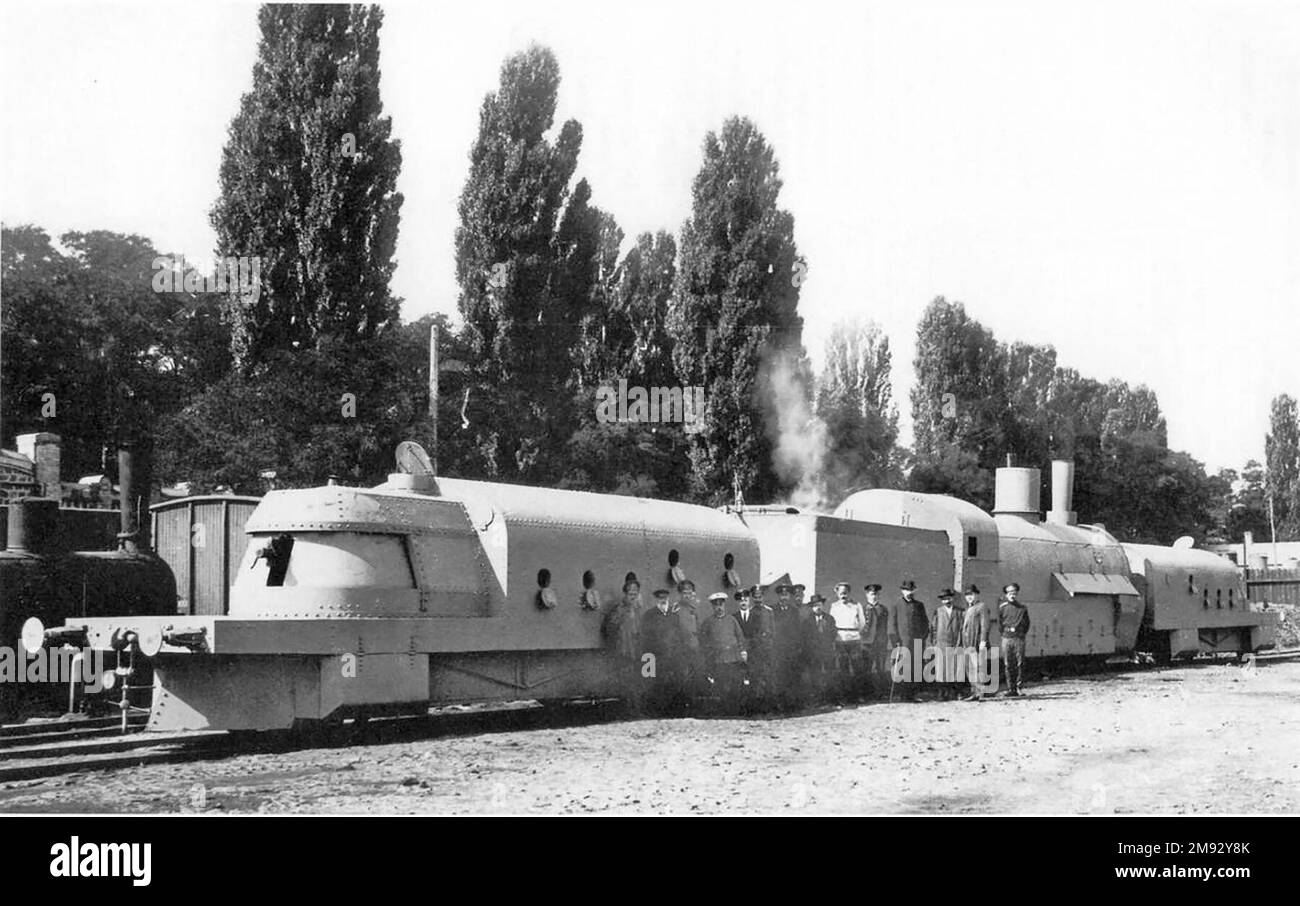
[(1282, 455), (1248, 504), (855, 402), (86, 325), (524, 274), (959, 403), (734, 315), (308, 184), (626, 338), (337, 408)]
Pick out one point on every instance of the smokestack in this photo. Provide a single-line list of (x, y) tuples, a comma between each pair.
[(1015, 493), (128, 536), (1062, 512)]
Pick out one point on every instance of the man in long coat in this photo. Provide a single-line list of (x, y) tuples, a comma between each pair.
[(909, 625)]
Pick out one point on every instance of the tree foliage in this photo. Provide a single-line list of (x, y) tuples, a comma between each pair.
[(1282, 458), (527, 255), (734, 313), (308, 184), (84, 328), (855, 401)]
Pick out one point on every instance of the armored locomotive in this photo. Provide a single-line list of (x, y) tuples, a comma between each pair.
[(427, 589), (420, 590)]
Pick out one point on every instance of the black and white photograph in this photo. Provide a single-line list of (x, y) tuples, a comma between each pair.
[(541, 409)]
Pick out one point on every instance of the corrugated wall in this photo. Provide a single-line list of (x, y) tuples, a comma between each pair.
[(203, 540)]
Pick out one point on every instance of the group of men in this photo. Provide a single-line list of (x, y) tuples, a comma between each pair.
[(870, 638), (679, 653)]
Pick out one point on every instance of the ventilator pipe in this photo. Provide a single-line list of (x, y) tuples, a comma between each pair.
[(1061, 512), (1015, 493)]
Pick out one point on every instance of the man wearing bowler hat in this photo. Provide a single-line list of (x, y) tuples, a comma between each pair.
[(819, 646), (909, 625), (947, 641)]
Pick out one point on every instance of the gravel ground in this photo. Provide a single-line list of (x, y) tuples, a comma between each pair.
[(1210, 738)]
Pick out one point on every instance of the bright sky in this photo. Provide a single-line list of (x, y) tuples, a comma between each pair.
[(1121, 180)]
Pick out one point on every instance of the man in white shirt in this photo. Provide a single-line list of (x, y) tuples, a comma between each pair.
[(849, 623)]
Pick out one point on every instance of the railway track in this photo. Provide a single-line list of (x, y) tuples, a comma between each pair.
[(28, 755), (37, 750)]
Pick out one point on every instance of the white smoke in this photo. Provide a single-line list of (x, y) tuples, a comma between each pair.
[(800, 438)]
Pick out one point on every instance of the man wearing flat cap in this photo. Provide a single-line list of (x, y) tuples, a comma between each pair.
[(909, 625), (975, 638), (1013, 621), (723, 647), (947, 639), (875, 640)]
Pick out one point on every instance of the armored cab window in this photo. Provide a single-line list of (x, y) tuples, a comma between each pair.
[(972, 546), (1232, 595), (1205, 599), (545, 594), (276, 554), (730, 577), (590, 599), (1191, 584), (327, 560), (675, 572), (1218, 598)]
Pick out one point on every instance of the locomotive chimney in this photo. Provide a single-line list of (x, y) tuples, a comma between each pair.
[(1015, 493), (1062, 512), (127, 537)]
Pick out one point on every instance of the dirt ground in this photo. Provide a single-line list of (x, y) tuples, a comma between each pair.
[(1211, 738)]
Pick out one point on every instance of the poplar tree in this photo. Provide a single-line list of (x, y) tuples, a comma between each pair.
[(308, 184)]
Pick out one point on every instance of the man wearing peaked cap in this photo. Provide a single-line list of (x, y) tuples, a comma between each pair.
[(756, 622), (1013, 622), (875, 640), (724, 649), (686, 610), (787, 647)]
